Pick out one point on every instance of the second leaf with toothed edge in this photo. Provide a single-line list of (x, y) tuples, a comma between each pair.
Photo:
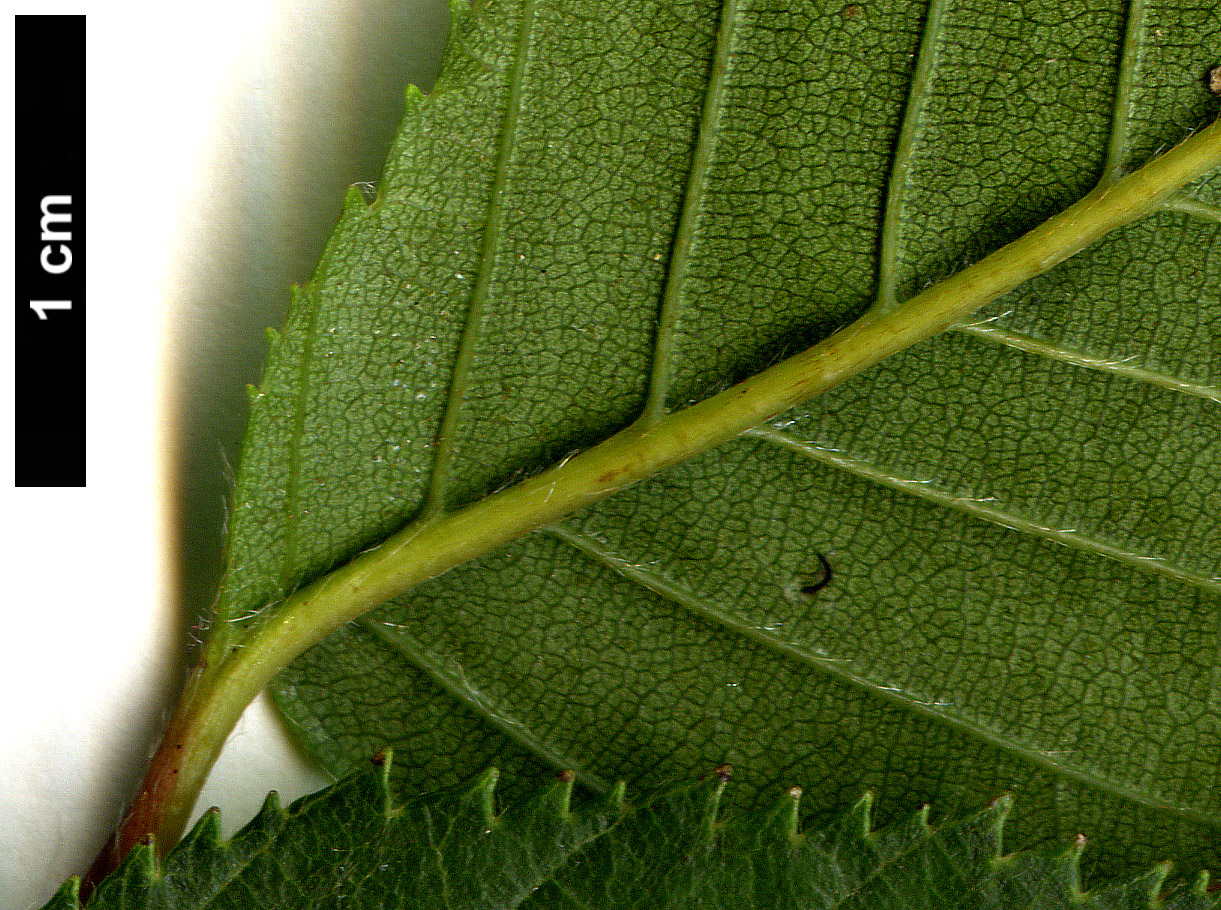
[(350, 845)]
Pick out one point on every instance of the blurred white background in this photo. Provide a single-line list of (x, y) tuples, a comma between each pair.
[(221, 137)]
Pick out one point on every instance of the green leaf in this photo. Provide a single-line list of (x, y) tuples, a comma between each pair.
[(987, 564), (348, 846)]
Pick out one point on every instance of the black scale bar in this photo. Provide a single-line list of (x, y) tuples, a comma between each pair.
[(49, 338)]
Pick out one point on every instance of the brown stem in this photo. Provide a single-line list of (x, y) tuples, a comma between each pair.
[(159, 812)]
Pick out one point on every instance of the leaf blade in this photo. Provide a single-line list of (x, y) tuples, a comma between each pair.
[(508, 430)]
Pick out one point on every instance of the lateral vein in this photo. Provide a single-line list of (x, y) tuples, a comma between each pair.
[(665, 587), (680, 248), (896, 185), (1121, 109), (459, 688), (292, 483), (996, 335), (1196, 208), (447, 433), (926, 491)]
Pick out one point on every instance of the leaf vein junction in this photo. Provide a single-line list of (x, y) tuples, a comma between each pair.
[(922, 77), (1195, 208), (1121, 112)]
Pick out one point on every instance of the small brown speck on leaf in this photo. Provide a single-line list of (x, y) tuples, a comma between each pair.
[(723, 772), (851, 11), (1214, 80)]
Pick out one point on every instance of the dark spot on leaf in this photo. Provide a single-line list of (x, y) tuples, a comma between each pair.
[(723, 773), (567, 776), (851, 11), (805, 585)]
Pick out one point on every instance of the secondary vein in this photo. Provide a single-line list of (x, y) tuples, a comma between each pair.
[(927, 491), (292, 483), (1195, 208), (446, 440), (1121, 109), (680, 248), (661, 585), (459, 688), (1031, 345), (896, 185)]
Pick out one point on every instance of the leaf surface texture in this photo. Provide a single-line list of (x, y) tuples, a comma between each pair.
[(989, 564)]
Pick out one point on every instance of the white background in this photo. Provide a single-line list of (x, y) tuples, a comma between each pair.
[(220, 139)]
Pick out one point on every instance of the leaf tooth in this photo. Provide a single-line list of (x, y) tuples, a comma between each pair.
[(1143, 892), (920, 821), (271, 805), (481, 795), (1069, 867), (68, 897), (991, 825), (1200, 886), (780, 821), (204, 844), (616, 799), (857, 822), (206, 832), (712, 802), (552, 802), (354, 201), (414, 96), (559, 794), (274, 338), (140, 866), (382, 762)]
